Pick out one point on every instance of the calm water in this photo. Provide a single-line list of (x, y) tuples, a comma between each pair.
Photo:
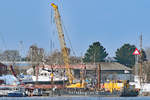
[(75, 98)]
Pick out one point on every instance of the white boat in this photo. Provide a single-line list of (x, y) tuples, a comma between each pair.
[(4, 89), (44, 77)]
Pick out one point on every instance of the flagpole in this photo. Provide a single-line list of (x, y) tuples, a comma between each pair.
[(141, 61)]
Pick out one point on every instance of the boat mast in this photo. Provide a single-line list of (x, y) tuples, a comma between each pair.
[(141, 61)]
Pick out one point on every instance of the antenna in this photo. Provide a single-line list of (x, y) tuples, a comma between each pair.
[(20, 48), (141, 61), (141, 41), (3, 41), (51, 46)]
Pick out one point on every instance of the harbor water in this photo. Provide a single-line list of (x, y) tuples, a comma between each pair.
[(74, 98)]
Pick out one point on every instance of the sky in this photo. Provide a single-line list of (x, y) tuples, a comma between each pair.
[(111, 22)]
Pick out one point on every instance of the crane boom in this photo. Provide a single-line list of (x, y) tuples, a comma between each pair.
[(64, 48)]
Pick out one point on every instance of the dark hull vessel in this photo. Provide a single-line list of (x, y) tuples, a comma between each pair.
[(16, 94), (46, 82), (82, 92), (129, 93)]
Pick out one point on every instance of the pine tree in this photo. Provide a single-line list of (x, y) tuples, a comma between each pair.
[(95, 53), (124, 55)]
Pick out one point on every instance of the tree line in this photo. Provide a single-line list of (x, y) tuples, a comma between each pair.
[(124, 55), (94, 54)]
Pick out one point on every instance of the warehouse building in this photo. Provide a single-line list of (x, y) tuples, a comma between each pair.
[(3, 69)]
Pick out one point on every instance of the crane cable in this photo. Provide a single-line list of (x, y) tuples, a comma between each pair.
[(67, 35), (3, 40), (65, 30), (53, 30)]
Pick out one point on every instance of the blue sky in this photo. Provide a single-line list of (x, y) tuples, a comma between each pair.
[(112, 22)]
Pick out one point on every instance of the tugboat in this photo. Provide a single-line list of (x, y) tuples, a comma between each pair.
[(129, 90)]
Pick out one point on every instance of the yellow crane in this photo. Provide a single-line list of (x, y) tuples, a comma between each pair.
[(64, 49)]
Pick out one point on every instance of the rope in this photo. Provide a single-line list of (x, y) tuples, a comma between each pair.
[(67, 36), (3, 40)]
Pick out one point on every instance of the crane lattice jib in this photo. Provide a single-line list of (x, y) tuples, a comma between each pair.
[(64, 49)]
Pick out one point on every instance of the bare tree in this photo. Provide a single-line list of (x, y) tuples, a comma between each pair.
[(146, 71), (36, 56), (75, 60), (57, 58), (147, 51), (10, 55)]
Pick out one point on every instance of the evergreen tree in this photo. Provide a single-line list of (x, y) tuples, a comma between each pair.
[(95, 53), (143, 57), (124, 55)]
